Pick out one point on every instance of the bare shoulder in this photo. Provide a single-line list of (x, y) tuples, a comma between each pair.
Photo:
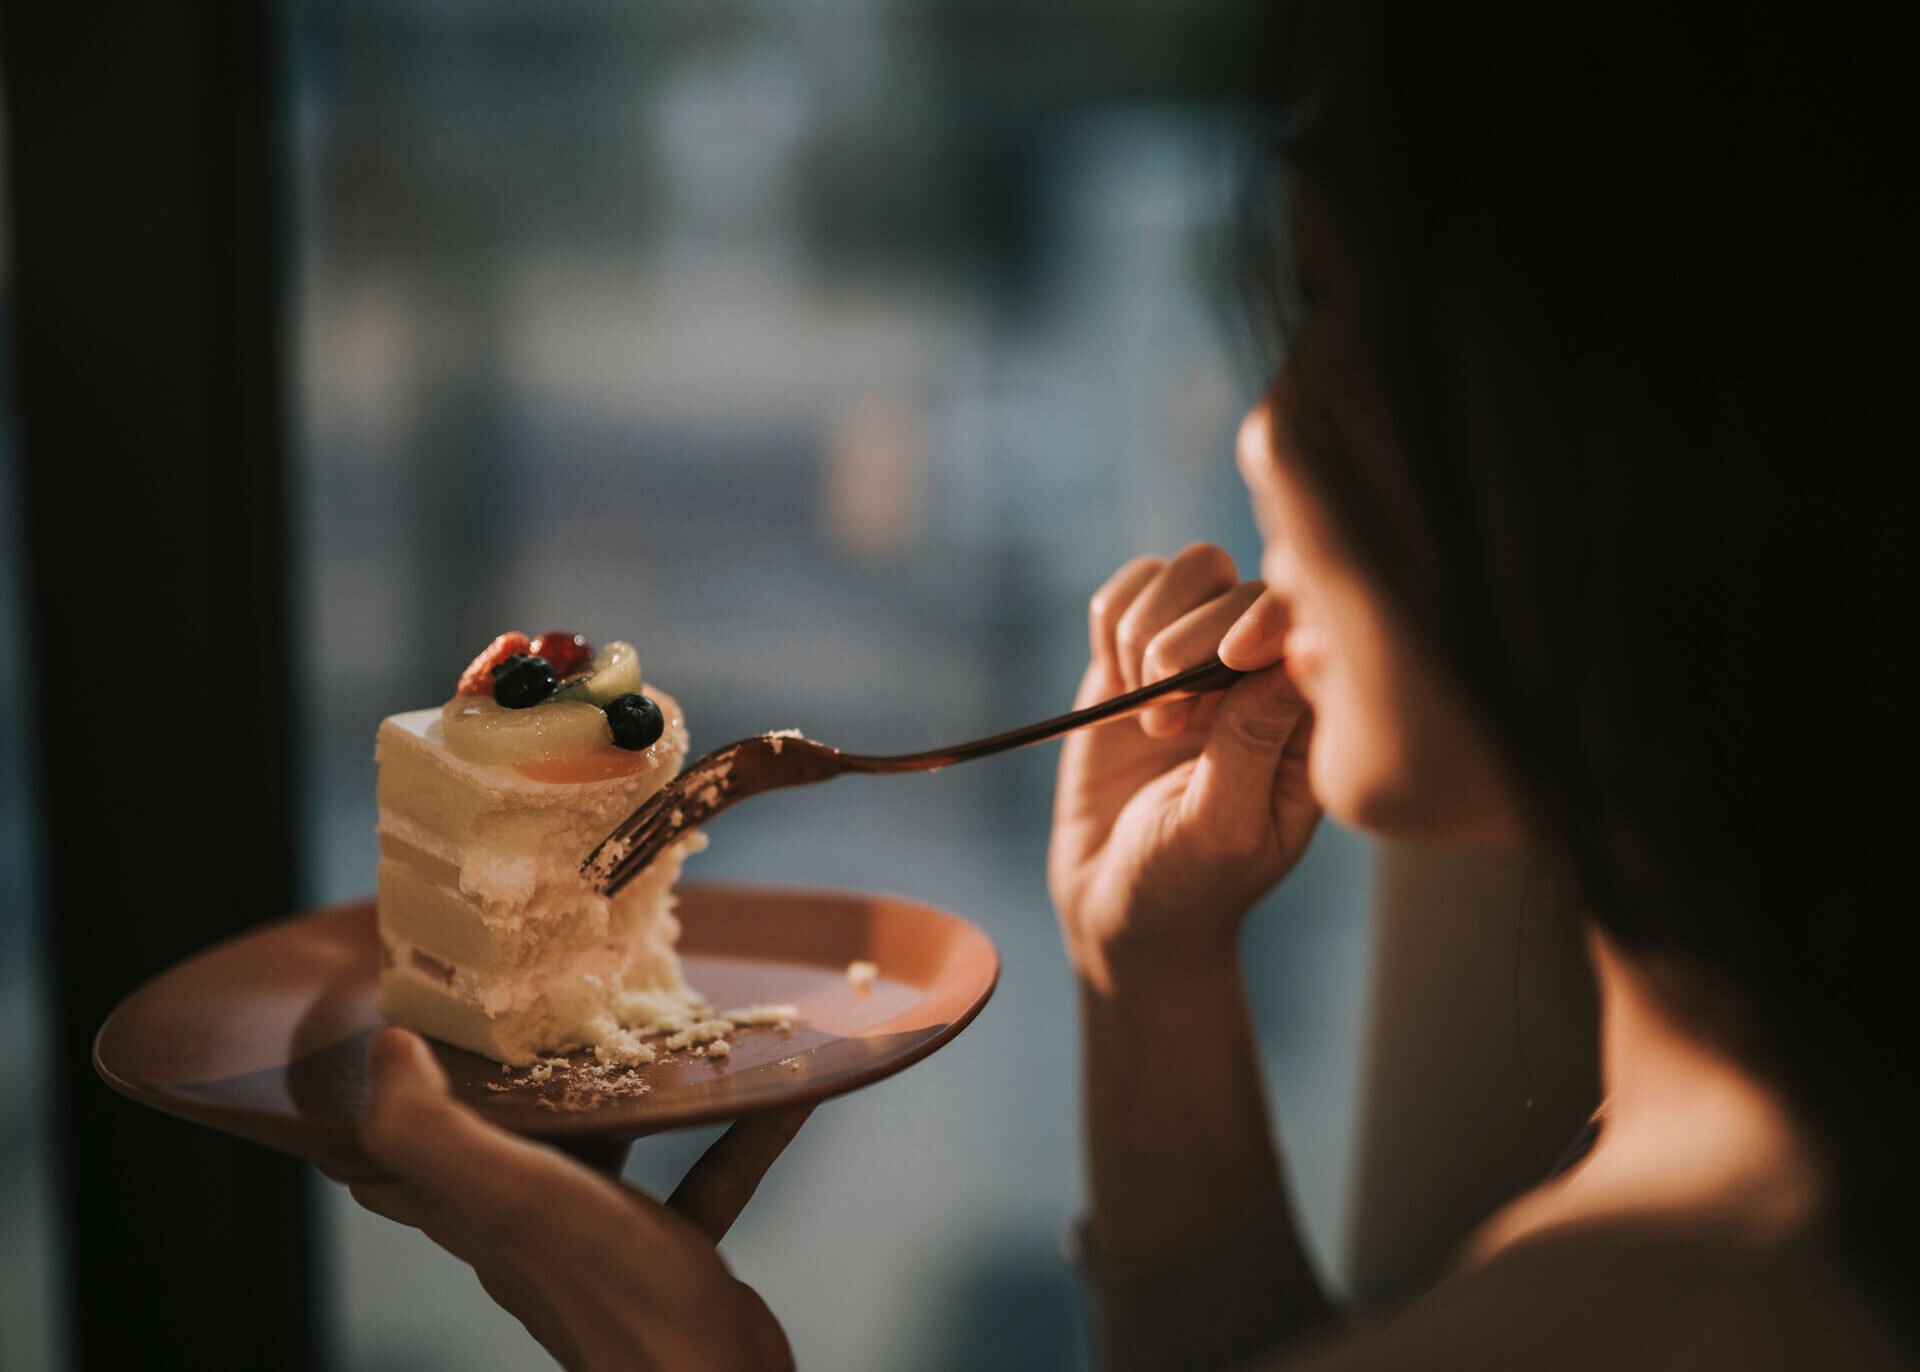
[(1633, 1294)]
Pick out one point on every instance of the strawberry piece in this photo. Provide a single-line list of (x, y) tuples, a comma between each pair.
[(477, 680), (565, 651)]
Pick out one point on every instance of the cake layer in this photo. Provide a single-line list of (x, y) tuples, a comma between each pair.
[(421, 902), (556, 1016), (497, 815)]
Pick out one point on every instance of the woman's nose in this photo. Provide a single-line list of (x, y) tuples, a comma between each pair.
[(1253, 445)]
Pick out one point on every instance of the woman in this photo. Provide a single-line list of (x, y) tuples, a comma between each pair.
[(1579, 538)]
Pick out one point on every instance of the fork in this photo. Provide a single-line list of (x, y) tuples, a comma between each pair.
[(772, 762)]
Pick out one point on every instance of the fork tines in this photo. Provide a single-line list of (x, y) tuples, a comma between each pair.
[(687, 801)]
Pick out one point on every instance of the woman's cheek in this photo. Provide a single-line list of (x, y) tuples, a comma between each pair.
[(1338, 765), (1352, 775), (1402, 769), (1325, 776), (1363, 765)]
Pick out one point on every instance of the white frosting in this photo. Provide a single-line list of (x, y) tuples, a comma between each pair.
[(494, 940)]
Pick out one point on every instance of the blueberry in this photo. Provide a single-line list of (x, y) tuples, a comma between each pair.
[(637, 722), (521, 681)]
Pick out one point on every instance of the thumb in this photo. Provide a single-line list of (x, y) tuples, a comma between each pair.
[(420, 1134), (718, 1187), (408, 1090), (1232, 786)]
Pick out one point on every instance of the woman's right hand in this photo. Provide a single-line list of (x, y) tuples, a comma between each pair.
[(1168, 827)]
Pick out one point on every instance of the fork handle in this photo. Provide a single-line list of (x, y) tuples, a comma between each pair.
[(1210, 676)]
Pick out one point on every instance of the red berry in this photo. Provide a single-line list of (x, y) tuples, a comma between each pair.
[(477, 680), (565, 651)]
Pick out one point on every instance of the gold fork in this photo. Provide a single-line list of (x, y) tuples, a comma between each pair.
[(772, 762)]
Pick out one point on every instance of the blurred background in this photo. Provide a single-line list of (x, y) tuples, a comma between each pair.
[(832, 354)]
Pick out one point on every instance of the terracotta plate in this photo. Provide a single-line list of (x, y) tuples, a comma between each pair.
[(266, 1036)]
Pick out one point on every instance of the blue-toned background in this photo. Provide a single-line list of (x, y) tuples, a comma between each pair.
[(833, 354)]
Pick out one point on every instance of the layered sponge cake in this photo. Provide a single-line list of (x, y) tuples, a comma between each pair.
[(492, 939)]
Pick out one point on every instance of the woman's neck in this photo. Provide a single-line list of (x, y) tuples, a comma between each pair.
[(1689, 1134), (1687, 1126)]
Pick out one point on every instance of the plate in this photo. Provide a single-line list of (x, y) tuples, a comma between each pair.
[(265, 1036)]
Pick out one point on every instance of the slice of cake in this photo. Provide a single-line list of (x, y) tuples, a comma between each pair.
[(491, 938)]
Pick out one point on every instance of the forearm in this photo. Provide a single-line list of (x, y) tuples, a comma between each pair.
[(1177, 1135), (1179, 1146), (1191, 1254)]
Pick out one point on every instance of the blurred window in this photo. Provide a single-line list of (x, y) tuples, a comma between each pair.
[(833, 354)]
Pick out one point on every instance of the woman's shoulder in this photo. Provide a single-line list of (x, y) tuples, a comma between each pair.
[(1635, 1293)]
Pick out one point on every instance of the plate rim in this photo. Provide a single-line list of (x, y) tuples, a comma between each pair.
[(557, 1126)]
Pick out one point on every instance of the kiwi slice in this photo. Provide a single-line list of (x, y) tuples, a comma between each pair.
[(614, 671), (481, 730)]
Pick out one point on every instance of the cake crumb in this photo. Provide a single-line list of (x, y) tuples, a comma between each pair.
[(719, 1048), (778, 738), (791, 1064), (608, 858), (781, 1016), (624, 1048), (861, 974), (706, 1031), (564, 1084)]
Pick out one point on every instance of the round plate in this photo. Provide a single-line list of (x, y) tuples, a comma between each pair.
[(266, 1036)]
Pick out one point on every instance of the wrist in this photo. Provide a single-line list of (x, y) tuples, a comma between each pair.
[(1164, 993), (1142, 971)]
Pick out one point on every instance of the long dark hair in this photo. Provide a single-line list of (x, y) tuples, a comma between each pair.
[(1634, 307)]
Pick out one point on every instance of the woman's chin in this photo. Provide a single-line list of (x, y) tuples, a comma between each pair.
[(1373, 795), (1343, 789)]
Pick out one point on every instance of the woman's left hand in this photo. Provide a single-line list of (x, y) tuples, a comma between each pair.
[(600, 1273)]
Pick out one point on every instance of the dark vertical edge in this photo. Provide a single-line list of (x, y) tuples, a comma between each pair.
[(146, 205)]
